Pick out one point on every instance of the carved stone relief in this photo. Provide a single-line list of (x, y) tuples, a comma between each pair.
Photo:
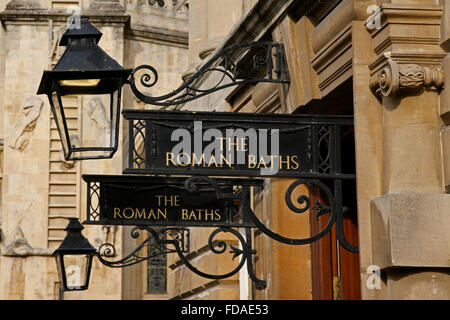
[(15, 243), (19, 246), (69, 164), (395, 78), (23, 129), (97, 113), (176, 5)]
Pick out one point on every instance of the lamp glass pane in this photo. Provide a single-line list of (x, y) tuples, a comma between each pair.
[(58, 120), (58, 267), (114, 115), (76, 268), (99, 125)]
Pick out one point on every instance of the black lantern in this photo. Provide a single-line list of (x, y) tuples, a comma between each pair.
[(74, 258), (85, 70)]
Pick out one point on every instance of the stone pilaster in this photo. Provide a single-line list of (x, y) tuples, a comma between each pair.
[(409, 242)]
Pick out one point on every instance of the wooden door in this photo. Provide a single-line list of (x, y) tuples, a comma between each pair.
[(335, 270)]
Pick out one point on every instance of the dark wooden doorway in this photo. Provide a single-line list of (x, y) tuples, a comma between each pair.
[(335, 270)]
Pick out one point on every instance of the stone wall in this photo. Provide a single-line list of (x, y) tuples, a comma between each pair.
[(39, 189)]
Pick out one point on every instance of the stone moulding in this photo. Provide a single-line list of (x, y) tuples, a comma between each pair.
[(395, 78)]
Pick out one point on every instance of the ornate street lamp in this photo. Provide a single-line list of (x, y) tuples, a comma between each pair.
[(74, 258), (85, 69)]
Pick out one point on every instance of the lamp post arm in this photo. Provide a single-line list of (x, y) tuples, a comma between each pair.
[(244, 63)]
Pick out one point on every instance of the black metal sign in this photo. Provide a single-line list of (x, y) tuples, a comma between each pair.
[(156, 201), (234, 144)]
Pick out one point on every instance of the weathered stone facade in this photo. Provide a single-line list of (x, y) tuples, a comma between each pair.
[(383, 61), (40, 190)]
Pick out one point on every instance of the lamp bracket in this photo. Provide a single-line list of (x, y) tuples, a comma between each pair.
[(243, 63), (163, 240)]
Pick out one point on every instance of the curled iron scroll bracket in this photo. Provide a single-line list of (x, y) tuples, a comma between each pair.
[(218, 247), (303, 205), (156, 243), (171, 239), (267, 64)]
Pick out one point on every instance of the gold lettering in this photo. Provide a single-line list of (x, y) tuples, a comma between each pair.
[(221, 142), (217, 214), (180, 156), (213, 160), (210, 215), (231, 143), (117, 213), (272, 162), (162, 213), (184, 214), (244, 144), (251, 161), (151, 213), (200, 161), (176, 201), (159, 199), (169, 159), (192, 215), (296, 165), (285, 161), (128, 210), (262, 161), (223, 158), (140, 214), (168, 200)]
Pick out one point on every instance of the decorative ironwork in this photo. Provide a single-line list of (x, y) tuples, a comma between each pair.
[(155, 244), (137, 135), (176, 239), (244, 63), (323, 149), (93, 203), (305, 206)]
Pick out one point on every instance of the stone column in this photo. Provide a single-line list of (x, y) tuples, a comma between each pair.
[(410, 241), (198, 33), (209, 23)]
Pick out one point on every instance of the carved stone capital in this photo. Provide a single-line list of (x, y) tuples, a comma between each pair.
[(395, 78)]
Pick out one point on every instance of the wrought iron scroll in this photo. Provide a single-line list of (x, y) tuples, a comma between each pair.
[(176, 239), (303, 204), (156, 243), (244, 63), (325, 178), (245, 250)]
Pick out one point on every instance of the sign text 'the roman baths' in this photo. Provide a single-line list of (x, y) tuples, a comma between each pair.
[(159, 212), (253, 148)]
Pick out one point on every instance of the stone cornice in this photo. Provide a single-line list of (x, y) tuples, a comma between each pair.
[(42, 16), (346, 12), (158, 35), (407, 44), (404, 28)]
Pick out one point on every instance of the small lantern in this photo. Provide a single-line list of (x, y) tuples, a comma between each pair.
[(85, 70), (74, 258)]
